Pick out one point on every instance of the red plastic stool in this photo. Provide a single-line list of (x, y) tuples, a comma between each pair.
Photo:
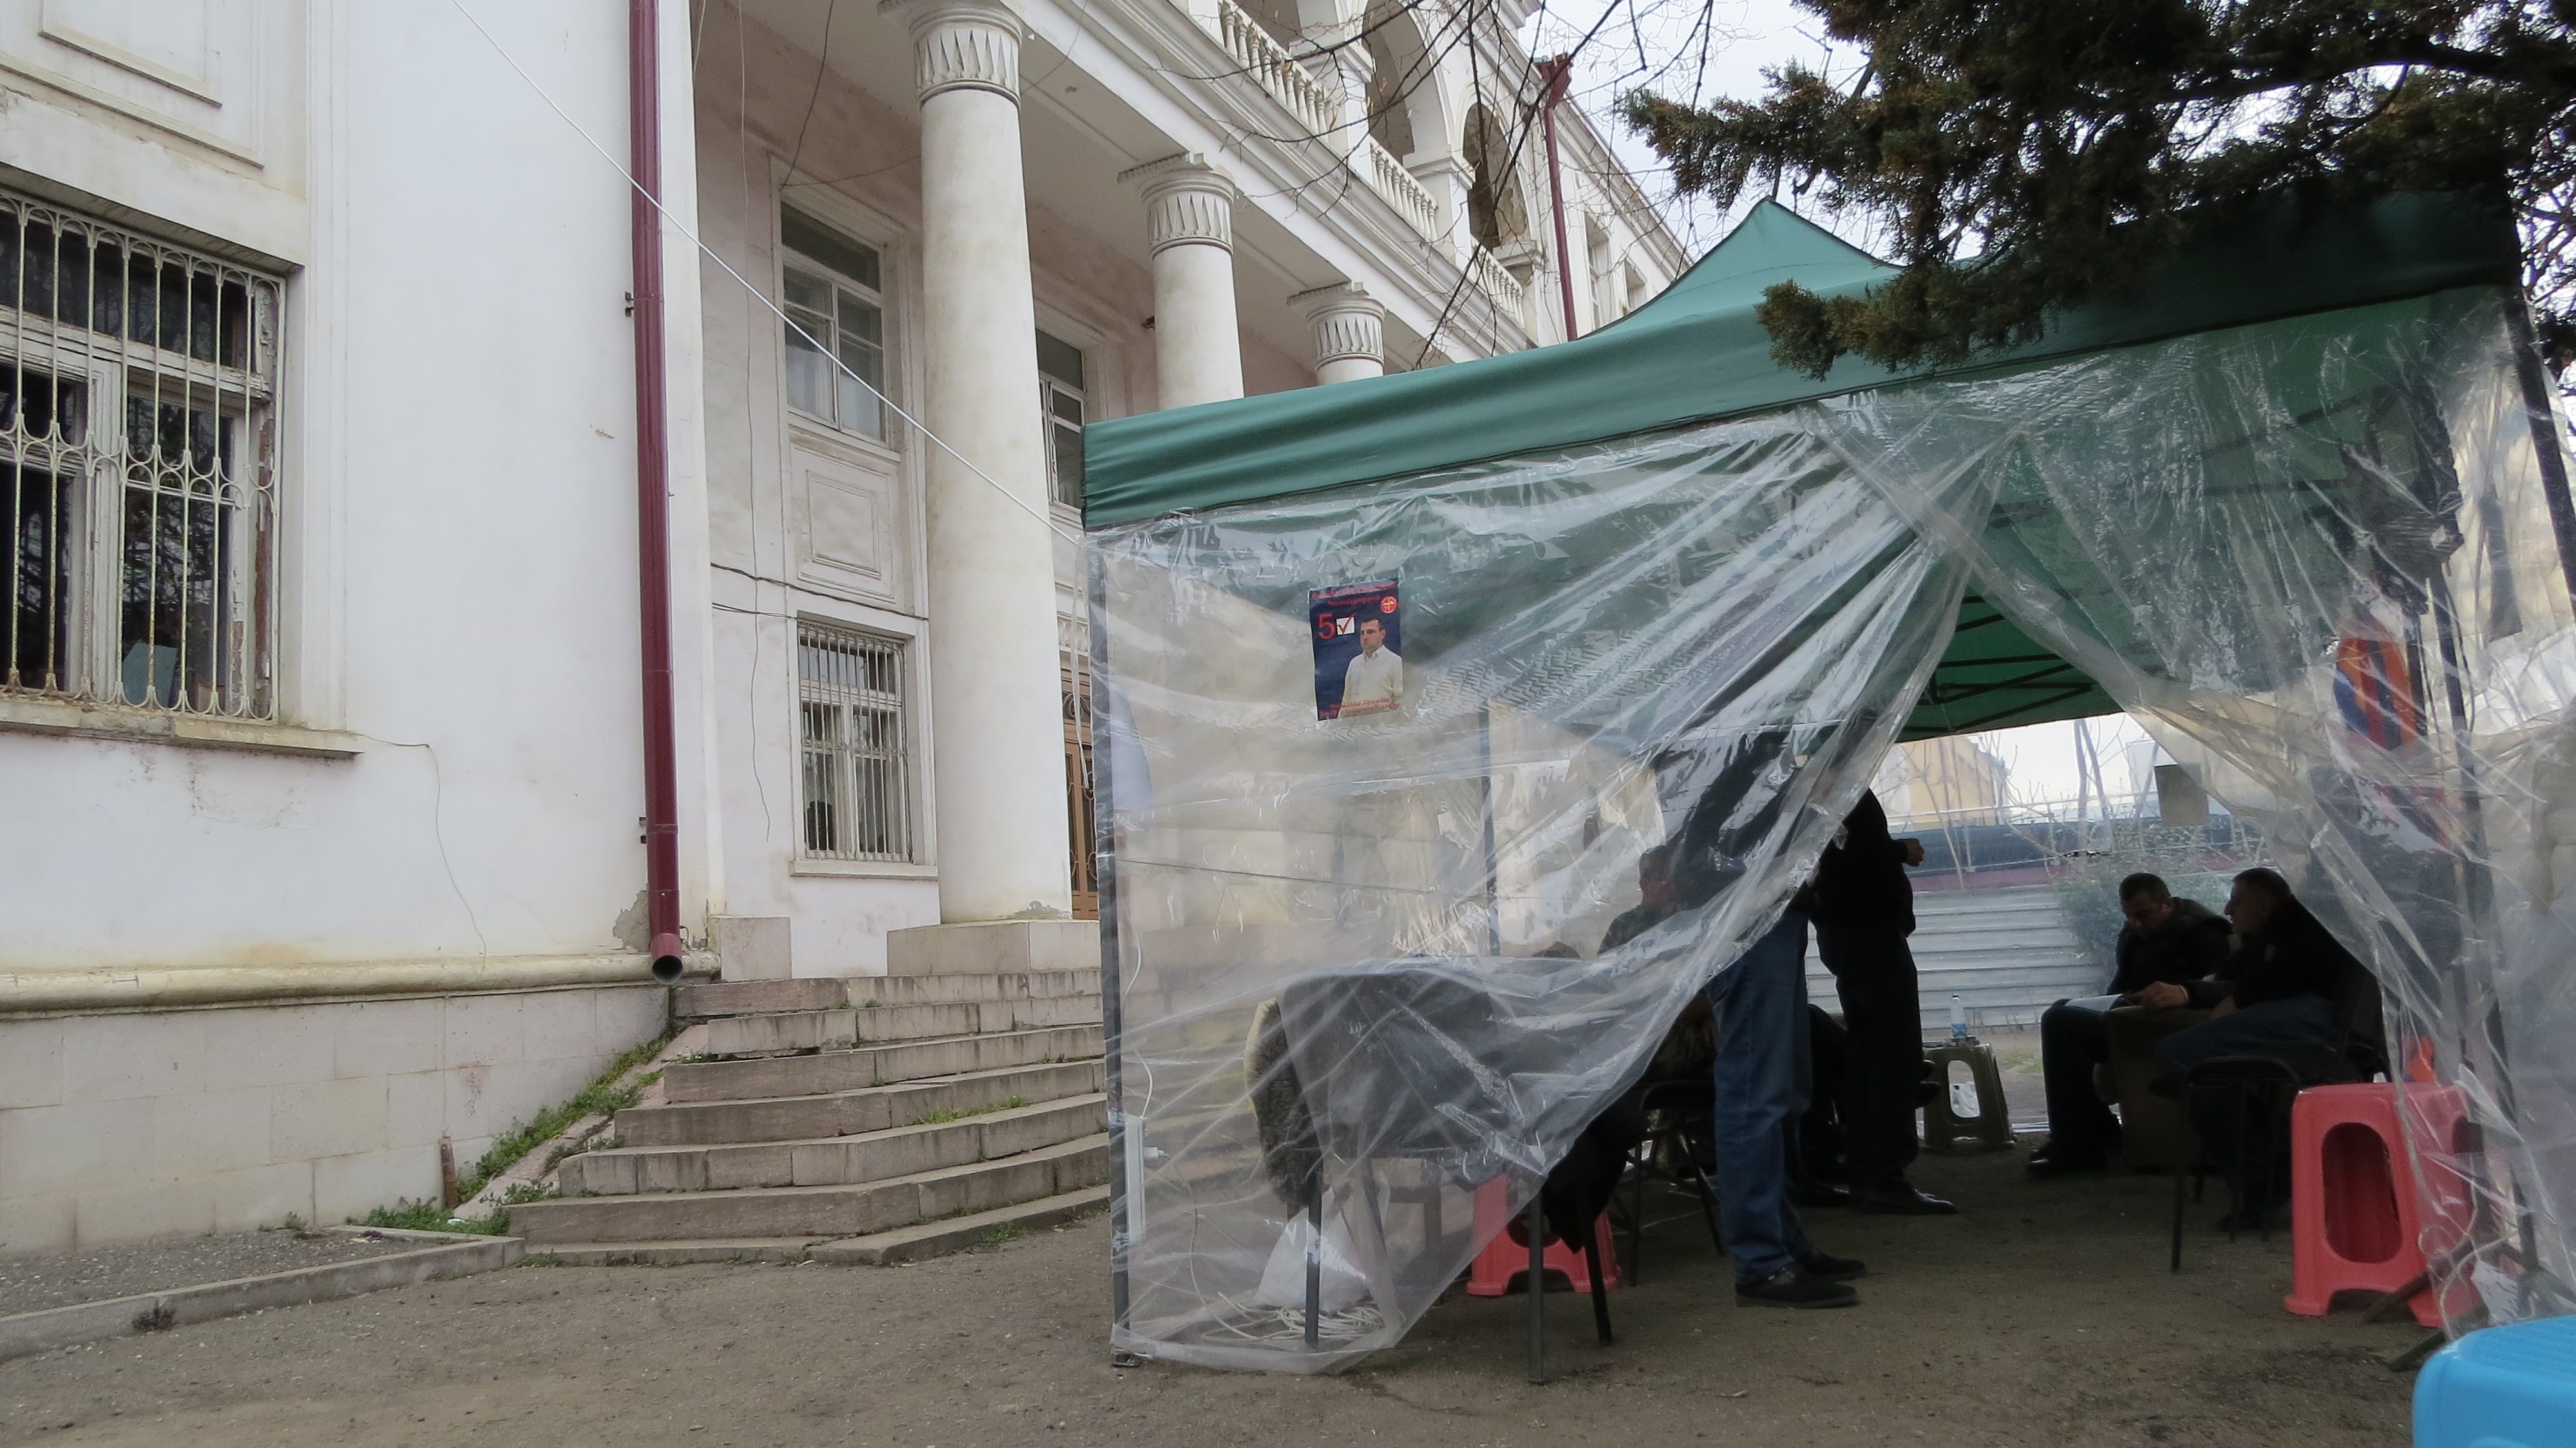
[(2355, 1224), (1504, 1260)]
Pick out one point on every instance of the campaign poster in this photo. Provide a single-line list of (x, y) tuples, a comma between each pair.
[(1358, 630)]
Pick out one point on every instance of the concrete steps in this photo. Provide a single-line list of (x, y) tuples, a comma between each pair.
[(826, 993), (850, 1113), (847, 1070), (816, 1212), (834, 1160), (884, 1118), (964, 1234), (789, 1032), (881, 1249)]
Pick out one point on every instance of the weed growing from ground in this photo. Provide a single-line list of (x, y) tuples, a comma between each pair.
[(602, 1097), (945, 1114)]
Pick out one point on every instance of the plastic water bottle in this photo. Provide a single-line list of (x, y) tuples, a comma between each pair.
[(1958, 1018)]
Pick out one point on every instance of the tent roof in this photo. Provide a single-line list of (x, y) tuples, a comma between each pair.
[(1696, 353)]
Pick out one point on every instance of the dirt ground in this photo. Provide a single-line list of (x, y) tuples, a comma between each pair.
[(57, 1279), (2042, 1316)]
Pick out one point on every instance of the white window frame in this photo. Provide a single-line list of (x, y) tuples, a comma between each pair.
[(226, 668), (879, 296), (903, 794), (1050, 388)]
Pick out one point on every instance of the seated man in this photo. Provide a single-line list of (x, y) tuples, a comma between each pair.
[(2274, 997), (1657, 898), (2168, 941)]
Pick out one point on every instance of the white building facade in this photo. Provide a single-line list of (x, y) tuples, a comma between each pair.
[(322, 728)]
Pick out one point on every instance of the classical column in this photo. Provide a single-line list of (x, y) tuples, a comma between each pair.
[(1198, 351), (1448, 179), (997, 725), (1350, 332)]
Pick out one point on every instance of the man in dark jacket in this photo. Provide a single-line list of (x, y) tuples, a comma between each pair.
[(1863, 911), (2276, 996), (2167, 940)]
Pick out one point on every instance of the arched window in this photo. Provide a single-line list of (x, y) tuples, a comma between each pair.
[(1495, 213), (1400, 66)]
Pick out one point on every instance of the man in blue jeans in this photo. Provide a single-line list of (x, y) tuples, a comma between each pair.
[(1759, 1005), (1762, 1081)]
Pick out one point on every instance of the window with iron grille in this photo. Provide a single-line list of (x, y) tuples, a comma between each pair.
[(835, 311), (856, 743), (1060, 407), (138, 467)]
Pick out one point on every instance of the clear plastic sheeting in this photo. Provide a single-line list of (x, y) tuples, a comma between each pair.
[(1361, 997)]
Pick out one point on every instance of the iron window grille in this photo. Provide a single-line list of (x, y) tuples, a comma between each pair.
[(836, 309), (1060, 405), (138, 464), (856, 745)]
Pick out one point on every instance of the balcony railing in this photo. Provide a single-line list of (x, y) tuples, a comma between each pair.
[(1496, 282), (1268, 62), (1318, 107), (1397, 185)]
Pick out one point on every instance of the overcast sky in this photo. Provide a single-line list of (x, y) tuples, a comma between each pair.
[(1668, 47), (1677, 48)]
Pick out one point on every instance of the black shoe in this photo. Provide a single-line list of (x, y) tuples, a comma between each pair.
[(1826, 1267), (1794, 1287), (2049, 1162), (1817, 1194), (1901, 1200)]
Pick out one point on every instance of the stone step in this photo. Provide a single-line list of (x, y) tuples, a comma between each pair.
[(758, 997), (674, 1254), (815, 1212), (848, 1070), (853, 1112), (962, 1234), (834, 1161), (840, 1030), (825, 993)]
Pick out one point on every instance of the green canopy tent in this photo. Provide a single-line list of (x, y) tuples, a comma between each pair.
[(1695, 353), (2301, 502)]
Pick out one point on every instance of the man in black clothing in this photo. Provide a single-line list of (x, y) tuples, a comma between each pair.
[(1657, 898), (2167, 940), (2275, 996), (1863, 911)]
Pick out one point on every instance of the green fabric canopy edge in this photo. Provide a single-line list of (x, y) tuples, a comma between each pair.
[(1696, 353), (1637, 376)]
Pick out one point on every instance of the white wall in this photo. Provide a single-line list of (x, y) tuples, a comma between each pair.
[(459, 509), (117, 1128), (459, 589)]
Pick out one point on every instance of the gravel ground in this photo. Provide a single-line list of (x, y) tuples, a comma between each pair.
[(2044, 1316), (59, 1279)]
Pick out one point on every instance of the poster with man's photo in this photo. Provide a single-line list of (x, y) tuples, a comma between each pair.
[(1358, 629)]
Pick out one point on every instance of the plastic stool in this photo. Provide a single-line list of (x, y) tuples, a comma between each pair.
[(1967, 1111), (2355, 1226), (2504, 1387), (1503, 1260)]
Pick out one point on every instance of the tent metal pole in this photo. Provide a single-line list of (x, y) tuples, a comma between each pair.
[(1104, 848)]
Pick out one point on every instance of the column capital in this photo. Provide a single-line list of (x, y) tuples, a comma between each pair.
[(1187, 201), (964, 44), (1350, 325)]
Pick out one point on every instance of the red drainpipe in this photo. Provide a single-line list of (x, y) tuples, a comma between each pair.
[(1559, 73), (653, 487)]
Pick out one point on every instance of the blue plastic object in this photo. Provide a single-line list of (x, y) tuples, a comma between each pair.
[(2503, 1387)]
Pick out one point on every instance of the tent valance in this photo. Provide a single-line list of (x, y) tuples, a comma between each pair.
[(1695, 353)]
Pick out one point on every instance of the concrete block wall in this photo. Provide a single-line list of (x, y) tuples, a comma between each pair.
[(128, 1127)]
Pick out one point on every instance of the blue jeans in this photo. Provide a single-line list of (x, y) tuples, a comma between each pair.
[(1762, 1080)]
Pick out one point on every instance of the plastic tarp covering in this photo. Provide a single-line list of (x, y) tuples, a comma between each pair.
[(2320, 553)]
